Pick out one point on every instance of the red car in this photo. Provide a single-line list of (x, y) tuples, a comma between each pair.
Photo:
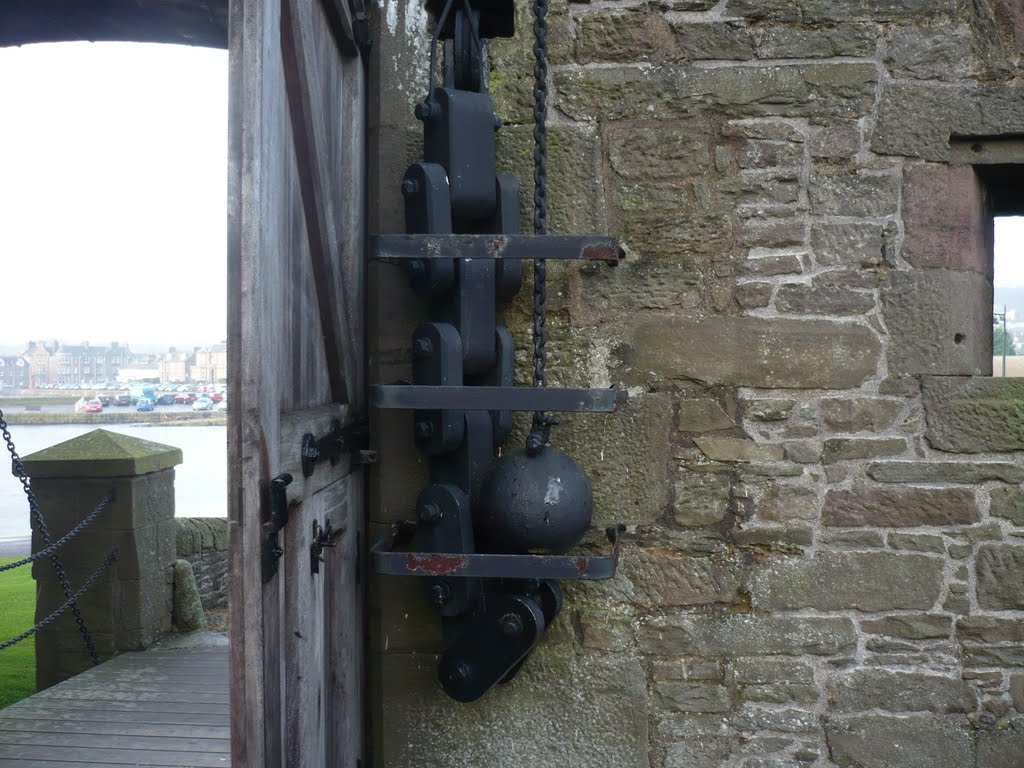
[(93, 406), (185, 398), (216, 397)]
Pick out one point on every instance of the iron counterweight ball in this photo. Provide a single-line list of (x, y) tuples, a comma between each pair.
[(540, 503)]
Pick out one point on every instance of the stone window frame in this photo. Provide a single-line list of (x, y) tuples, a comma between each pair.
[(938, 305)]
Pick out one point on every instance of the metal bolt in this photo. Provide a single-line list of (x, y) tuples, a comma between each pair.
[(440, 594), (424, 429), (460, 674), (422, 347), (430, 514), (426, 110), (416, 268), (410, 187), (511, 625), (497, 123)]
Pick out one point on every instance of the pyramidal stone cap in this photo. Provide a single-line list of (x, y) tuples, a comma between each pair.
[(102, 453)]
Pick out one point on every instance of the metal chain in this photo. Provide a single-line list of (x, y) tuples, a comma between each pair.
[(542, 423), (63, 539), (71, 602), (44, 533)]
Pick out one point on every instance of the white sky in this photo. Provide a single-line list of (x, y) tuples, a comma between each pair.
[(113, 174), (1009, 251)]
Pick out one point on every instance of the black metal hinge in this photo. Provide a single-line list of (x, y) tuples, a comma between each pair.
[(271, 551), (352, 440)]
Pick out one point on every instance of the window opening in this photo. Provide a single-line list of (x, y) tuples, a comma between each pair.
[(1008, 297)]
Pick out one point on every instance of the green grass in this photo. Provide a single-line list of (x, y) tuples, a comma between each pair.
[(11, 402), (17, 613)]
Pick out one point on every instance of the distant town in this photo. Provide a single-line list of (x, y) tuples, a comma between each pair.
[(55, 365)]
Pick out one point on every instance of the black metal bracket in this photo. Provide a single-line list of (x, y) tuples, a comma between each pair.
[(271, 551), (426, 397), (323, 536), (353, 439)]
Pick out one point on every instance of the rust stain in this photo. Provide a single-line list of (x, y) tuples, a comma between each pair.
[(601, 253), (435, 565), (582, 564)]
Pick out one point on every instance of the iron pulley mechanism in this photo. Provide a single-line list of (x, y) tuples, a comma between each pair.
[(492, 536)]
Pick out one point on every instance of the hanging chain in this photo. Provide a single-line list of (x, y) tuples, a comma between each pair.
[(63, 539), (44, 534), (72, 603), (542, 423)]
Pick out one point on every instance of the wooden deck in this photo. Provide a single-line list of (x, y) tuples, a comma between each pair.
[(167, 706)]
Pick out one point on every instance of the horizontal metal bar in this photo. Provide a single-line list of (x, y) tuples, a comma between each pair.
[(423, 397), (490, 566), (585, 247)]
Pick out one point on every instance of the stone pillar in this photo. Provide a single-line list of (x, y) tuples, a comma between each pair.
[(129, 606)]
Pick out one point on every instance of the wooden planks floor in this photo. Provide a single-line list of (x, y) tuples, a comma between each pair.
[(167, 706)]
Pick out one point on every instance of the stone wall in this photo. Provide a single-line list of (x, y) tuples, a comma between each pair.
[(203, 541), (822, 488)]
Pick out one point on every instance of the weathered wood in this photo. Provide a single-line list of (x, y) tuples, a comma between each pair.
[(20, 753), (296, 354), (119, 728)]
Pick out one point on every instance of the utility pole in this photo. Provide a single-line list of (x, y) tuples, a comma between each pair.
[(996, 317)]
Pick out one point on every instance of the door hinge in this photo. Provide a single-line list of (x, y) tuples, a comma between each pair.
[(271, 549), (352, 440)]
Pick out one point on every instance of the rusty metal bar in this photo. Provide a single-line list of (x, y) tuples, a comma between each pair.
[(387, 561), (492, 246), (424, 397)]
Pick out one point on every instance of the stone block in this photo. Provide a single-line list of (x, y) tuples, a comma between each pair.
[(774, 409), (692, 697), (609, 724), (737, 449), (819, 11), (990, 629), (886, 741), (944, 218), (864, 581), (1008, 503), (859, 414), (774, 680), (849, 448), (914, 119), (624, 36), (702, 415), (860, 194), (921, 626), (974, 415), (753, 295), (701, 498), (188, 607), (779, 42), (856, 539), (992, 656), (836, 141), (756, 719), (930, 53), (695, 239), (999, 570), (966, 472), (1002, 746), (890, 507), (768, 153), (664, 578), (628, 464), (731, 635), (773, 265), (755, 352), (659, 150), (821, 298), (865, 689), (660, 92), (836, 243), (785, 503), (939, 322)]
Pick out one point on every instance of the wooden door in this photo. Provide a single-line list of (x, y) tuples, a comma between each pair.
[(296, 362)]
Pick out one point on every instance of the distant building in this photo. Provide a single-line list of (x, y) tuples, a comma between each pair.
[(134, 374), (210, 364), (15, 372), (42, 361), (53, 363), (174, 367), (86, 365)]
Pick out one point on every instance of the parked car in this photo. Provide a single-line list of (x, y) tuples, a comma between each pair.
[(105, 399), (203, 404), (123, 400), (145, 404), (93, 406), (185, 398), (216, 397), (222, 405), (165, 400)]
